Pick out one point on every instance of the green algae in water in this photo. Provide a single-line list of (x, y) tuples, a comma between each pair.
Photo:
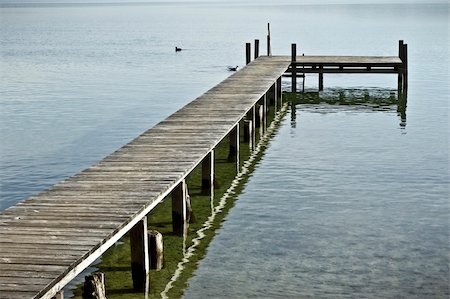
[(209, 212)]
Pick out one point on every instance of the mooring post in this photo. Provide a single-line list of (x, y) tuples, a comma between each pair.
[(179, 210), (405, 68), (248, 50), (320, 77), (293, 67), (256, 48), (139, 255), (208, 173), (94, 286), (401, 68), (156, 248)]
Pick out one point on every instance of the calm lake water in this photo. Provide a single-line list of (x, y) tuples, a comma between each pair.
[(348, 202)]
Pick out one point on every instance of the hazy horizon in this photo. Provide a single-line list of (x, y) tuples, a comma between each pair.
[(298, 2)]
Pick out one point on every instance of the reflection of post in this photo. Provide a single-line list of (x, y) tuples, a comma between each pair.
[(401, 108), (179, 208), (400, 70), (293, 115), (139, 255)]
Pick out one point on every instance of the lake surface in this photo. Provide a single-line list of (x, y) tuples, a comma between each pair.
[(348, 201)]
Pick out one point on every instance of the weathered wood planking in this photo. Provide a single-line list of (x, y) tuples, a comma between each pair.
[(48, 239)]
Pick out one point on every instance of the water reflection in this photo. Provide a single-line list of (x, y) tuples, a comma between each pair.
[(337, 100)]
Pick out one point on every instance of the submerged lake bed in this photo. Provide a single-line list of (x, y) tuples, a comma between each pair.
[(349, 199)]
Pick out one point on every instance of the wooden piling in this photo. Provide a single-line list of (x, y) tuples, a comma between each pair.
[(279, 89), (264, 112), (247, 130), (139, 255), (233, 154), (156, 249), (179, 219), (94, 286), (401, 69), (405, 68), (256, 48), (269, 50), (294, 67), (208, 173), (320, 77), (59, 295), (248, 50)]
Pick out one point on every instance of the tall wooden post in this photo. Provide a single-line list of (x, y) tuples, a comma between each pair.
[(401, 69), (208, 173), (179, 210), (256, 48), (294, 67), (269, 50), (139, 255), (248, 50), (320, 77), (405, 66)]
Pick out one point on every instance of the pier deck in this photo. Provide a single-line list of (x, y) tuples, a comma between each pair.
[(48, 239)]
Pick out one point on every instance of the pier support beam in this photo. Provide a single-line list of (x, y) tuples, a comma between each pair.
[(256, 48), (251, 116), (179, 209), (233, 154), (294, 67), (59, 295), (94, 286), (139, 255), (264, 113), (320, 77), (208, 173), (247, 130), (156, 248)]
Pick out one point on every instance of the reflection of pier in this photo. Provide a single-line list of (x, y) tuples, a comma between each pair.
[(334, 99)]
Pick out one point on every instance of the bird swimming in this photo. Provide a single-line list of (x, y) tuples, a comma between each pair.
[(178, 49), (232, 68)]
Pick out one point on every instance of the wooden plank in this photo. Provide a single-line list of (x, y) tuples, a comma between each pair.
[(84, 215)]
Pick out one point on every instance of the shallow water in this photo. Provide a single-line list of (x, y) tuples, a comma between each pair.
[(349, 201)]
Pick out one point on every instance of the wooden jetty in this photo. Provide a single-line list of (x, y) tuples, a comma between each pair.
[(48, 239)]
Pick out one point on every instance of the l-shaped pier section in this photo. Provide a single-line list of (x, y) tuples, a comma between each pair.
[(48, 239)]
